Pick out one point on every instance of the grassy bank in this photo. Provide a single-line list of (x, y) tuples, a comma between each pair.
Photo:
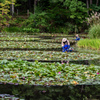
[(89, 44)]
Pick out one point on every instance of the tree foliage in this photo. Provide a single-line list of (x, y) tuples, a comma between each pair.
[(57, 15), (4, 14)]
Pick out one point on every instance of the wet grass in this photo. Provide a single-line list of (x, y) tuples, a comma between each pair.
[(89, 44)]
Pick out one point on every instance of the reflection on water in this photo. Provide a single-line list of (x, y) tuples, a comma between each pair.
[(84, 62), (31, 92), (95, 62)]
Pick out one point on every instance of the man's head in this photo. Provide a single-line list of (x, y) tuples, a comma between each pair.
[(76, 35)]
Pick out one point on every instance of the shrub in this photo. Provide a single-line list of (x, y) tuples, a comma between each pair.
[(37, 21), (57, 19), (95, 7), (12, 29), (16, 21), (30, 30), (94, 31), (59, 30), (94, 18), (70, 27)]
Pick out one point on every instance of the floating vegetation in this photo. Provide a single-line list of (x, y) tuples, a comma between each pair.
[(38, 73), (23, 72), (48, 55), (9, 97), (5, 44)]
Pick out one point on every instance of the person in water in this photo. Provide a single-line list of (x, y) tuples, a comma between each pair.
[(66, 45), (77, 37)]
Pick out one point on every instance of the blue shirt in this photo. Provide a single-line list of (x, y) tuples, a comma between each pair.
[(65, 48), (77, 38)]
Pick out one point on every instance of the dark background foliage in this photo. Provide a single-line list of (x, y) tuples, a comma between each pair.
[(60, 16)]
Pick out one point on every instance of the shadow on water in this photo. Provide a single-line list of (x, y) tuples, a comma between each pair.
[(40, 49), (84, 62), (53, 36), (41, 92), (21, 40), (46, 37), (71, 43)]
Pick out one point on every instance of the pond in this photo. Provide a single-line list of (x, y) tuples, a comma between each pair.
[(45, 51)]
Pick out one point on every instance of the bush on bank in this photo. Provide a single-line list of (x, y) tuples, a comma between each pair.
[(94, 31), (89, 44)]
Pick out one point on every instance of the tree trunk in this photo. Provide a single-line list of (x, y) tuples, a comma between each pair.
[(97, 2), (90, 2), (12, 9), (87, 3), (34, 5)]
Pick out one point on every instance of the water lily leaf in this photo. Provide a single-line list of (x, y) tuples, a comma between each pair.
[(51, 79), (6, 69)]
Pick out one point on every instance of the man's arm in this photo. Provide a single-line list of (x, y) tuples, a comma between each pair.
[(68, 42)]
